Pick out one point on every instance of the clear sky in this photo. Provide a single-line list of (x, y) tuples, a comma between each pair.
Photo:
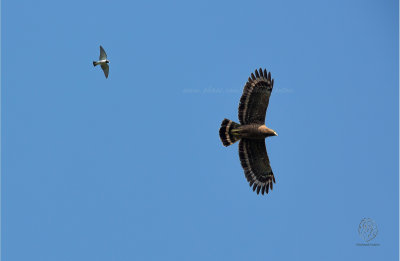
[(132, 167)]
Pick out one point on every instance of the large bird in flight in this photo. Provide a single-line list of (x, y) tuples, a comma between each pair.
[(252, 131)]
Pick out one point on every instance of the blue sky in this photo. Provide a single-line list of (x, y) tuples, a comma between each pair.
[(132, 168)]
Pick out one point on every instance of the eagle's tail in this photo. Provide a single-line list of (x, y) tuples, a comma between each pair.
[(227, 132), (94, 63)]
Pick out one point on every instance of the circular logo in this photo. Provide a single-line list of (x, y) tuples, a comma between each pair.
[(367, 229)]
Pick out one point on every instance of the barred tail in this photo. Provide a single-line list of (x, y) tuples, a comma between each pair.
[(225, 132)]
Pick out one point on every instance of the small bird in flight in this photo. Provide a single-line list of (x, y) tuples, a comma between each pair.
[(251, 132), (103, 61)]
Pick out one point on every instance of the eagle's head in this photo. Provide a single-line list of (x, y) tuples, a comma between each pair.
[(267, 131)]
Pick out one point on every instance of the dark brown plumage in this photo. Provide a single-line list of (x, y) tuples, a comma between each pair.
[(252, 131)]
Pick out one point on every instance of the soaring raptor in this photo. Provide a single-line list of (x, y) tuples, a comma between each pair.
[(252, 131)]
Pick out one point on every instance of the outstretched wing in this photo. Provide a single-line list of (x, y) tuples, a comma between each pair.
[(255, 98), (105, 68), (254, 158), (103, 55)]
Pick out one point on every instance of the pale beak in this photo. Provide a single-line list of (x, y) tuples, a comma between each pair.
[(276, 134)]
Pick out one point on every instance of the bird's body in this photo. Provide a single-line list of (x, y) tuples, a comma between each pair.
[(252, 131), (103, 62)]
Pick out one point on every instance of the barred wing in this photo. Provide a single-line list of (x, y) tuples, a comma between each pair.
[(255, 98), (254, 159)]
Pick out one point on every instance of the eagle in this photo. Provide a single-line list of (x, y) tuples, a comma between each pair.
[(252, 131)]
